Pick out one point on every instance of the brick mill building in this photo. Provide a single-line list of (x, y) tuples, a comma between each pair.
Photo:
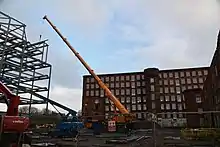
[(158, 91)]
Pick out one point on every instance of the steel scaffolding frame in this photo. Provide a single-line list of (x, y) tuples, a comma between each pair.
[(23, 64)]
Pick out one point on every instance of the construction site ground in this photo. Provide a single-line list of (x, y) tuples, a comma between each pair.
[(144, 138)]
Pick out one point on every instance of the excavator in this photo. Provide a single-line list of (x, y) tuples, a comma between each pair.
[(125, 117), (12, 126)]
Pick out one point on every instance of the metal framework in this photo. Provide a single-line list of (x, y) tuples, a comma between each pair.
[(23, 65)]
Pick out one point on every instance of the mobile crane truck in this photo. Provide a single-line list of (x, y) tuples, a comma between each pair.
[(12, 126), (126, 117)]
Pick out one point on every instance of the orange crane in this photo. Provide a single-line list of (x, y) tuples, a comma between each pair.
[(126, 116)]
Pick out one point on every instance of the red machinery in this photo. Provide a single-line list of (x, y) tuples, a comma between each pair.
[(12, 126)]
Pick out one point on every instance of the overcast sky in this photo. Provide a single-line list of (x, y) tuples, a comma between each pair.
[(119, 36)]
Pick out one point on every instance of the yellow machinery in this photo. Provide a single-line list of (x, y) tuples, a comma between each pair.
[(126, 116)]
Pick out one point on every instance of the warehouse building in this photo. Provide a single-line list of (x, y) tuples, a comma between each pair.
[(153, 90), (211, 92)]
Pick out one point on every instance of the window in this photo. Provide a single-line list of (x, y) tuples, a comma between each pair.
[(87, 80), (178, 90), (112, 108), (193, 73), (151, 80), (128, 108), (188, 74), (132, 92), (143, 83), (127, 84), (92, 86), (122, 84), (165, 82), (160, 76), (161, 98), (200, 73), (168, 115), (174, 115), (107, 79), (138, 77), (177, 82), (128, 91), (112, 79), (188, 81), (165, 75), (152, 87), (117, 91), (122, 78), (189, 87), (122, 99), (133, 107), (173, 98), (160, 82), (133, 100), (127, 78), (144, 107), (200, 80), (92, 93), (171, 82), (180, 107), (182, 74), (173, 106), (139, 106), (139, 99), (161, 90), (87, 93), (168, 106), (166, 90), (162, 106), (172, 89), (122, 92), (198, 98), (117, 78), (144, 98), (87, 86), (183, 88), (153, 105), (152, 97), (138, 84), (117, 85), (183, 81), (194, 80), (200, 110), (128, 100), (97, 93), (106, 100), (102, 93), (205, 72), (195, 86), (167, 98), (142, 77), (132, 84), (139, 115), (138, 91), (143, 91), (132, 78), (178, 98), (112, 85), (106, 115), (92, 79), (106, 108), (170, 75), (96, 86), (176, 75), (180, 115)]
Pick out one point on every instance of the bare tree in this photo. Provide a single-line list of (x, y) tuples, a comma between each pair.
[(25, 110)]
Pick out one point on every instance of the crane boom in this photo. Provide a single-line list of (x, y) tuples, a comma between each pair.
[(108, 93)]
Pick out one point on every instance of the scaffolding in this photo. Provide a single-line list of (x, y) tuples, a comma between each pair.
[(23, 65)]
